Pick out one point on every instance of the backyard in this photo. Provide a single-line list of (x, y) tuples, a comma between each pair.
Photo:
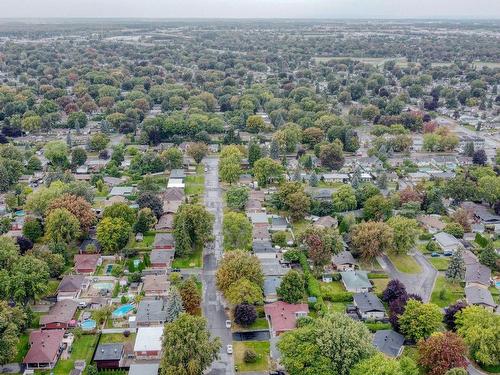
[(261, 348), (446, 293), (83, 348), (110, 338)]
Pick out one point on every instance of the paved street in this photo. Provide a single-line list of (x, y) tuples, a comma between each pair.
[(421, 283), (212, 306)]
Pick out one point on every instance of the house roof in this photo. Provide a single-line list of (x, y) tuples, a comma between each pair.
[(144, 369), (62, 312), (431, 221), (161, 256), (367, 302), (44, 345), (148, 339), (344, 257), (121, 190), (175, 183), (272, 267), (86, 261), (163, 239), (166, 221), (476, 295), (263, 247), (177, 173), (71, 283), (469, 257), (109, 352), (261, 232), (356, 279), (477, 273), (151, 311), (171, 206), (284, 315), (446, 239), (154, 283), (173, 194), (253, 205), (258, 217), (388, 342), (281, 221), (271, 283), (326, 222)]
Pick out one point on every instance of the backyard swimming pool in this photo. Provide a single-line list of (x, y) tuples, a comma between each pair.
[(102, 286), (88, 325), (122, 310)]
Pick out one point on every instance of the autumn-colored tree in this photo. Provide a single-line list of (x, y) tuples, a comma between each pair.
[(197, 151), (191, 296), (370, 239), (442, 352), (78, 207), (236, 265), (409, 194), (463, 217), (321, 243)]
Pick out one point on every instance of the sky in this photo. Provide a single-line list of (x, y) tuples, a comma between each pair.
[(489, 9)]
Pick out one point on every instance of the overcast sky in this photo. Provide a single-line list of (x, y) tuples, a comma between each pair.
[(252, 8)]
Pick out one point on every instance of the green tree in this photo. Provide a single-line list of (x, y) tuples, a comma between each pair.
[(237, 197), (31, 123), (254, 153), (456, 267), (197, 151), (113, 234), (488, 256), (12, 322), (236, 265), (255, 124), (61, 226), (172, 157), (344, 199), (29, 279), (320, 243), (98, 142), (146, 220), (32, 229), (237, 231), (480, 330), (331, 345), (192, 228), (332, 155), (380, 364), (377, 208), (188, 348), (489, 189), (266, 170), (174, 306), (420, 320), (455, 229), (57, 153), (78, 156), (122, 211), (292, 287), (405, 233), (244, 291), (370, 239)]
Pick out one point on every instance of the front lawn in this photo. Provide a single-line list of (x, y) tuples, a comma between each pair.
[(22, 347), (379, 285), (193, 260), (440, 263), (261, 348), (83, 348), (370, 265), (259, 324), (446, 293), (405, 263)]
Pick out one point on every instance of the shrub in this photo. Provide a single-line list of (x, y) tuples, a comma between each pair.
[(126, 333), (245, 314), (279, 238), (250, 356), (481, 240), (342, 297)]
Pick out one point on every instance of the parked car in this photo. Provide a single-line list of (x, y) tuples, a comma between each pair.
[(229, 349), (434, 254), (228, 324)]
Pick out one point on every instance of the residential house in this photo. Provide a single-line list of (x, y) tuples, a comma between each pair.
[(389, 342), (148, 343), (482, 213), (271, 284), (175, 183), (71, 286), (109, 356), (369, 306), (335, 177), (122, 191), (478, 274), (161, 258), (166, 222), (326, 222), (163, 241), (174, 194), (86, 264), (253, 205), (264, 250), (282, 316), (155, 285), (418, 176), (273, 267), (151, 312), (258, 218), (278, 223), (344, 261), (323, 194), (261, 233), (178, 174), (60, 316), (144, 369), (479, 296), (356, 281), (45, 349), (432, 223), (447, 242)]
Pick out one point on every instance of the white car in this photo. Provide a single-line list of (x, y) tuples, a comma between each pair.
[(229, 349), (228, 324)]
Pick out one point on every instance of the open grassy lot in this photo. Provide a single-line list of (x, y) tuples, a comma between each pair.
[(261, 348), (83, 348), (195, 184), (337, 306), (332, 288), (405, 263), (441, 263), (446, 293), (193, 260)]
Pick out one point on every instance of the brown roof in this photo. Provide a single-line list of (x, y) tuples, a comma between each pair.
[(283, 315), (166, 222), (257, 195), (154, 283), (253, 205), (260, 233), (174, 194), (86, 261), (326, 222), (71, 283), (44, 346), (163, 239), (431, 222), (171, 206), (62, 312)]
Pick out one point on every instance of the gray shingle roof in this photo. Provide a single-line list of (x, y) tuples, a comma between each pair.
[(344, 257), (476, 295), (151, 311), (478, 273), (108, 352), (367, 302), (388, 342)]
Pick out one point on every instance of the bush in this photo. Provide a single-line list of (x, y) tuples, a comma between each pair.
[(279, 238), (481, 240), (377, 326), (250, 356), (377, 276), (425, 237), (313, 287), (342, 297), (454, 229), (245, 314)]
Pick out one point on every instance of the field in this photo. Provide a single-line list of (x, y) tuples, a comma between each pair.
[(405, 263), (261, 348), (446, 293)]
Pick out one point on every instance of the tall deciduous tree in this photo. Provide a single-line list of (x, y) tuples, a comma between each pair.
[(237, 231), (371, 239), (377, 208), (267, 170), (237, 197), (344, 199), (236, 265), (244, 291), (420, 320), (61, 226), (332, 155), (28, 280), (405, 233), (198, 151), (442, 352), (188, 347), (380, 364), (321, 243), (79, 207), (120, 210), (292, 287), (113, 234), (192, 227), (191, 296)]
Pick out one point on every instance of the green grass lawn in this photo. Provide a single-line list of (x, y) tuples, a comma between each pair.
[(337, 306), (441, 263), (262, 350), (22, 347), (110, 338), (195, 184), (495, 293), (332, 288), (370, 265), (259, 324), (446, 293), (405, 263), (35, 321), (83, 348), (146, 243), (194, 260), (299, 226), (379, 285)]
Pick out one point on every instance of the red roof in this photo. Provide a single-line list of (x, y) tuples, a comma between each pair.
[(44, 346), (86, 261), (284, 315)]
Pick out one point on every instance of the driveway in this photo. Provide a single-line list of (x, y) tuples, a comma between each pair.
[(421, 283), (213, 309)]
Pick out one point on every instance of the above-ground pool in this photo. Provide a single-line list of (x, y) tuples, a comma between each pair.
[(102, 286), (123, 310), (137, 262), (109, 268), (88, 325), (20, 213)]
